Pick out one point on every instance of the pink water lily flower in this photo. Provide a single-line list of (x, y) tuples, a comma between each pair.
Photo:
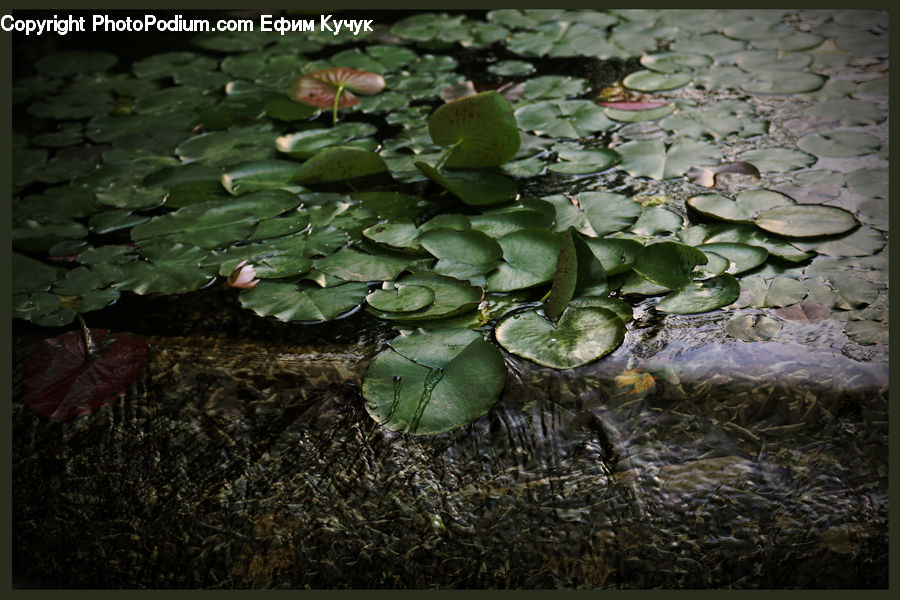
[(243, 276)]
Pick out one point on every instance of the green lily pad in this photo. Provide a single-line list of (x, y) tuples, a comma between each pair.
[(529, 259), (476, 188), (470, 247), (636, 116), (480, 131), (741, 257), (780, 291), (548, 87), (170, 268), (616, 255), (577, 161), (840, 144), (401, 298), (657, 220), (752, 328), (752, 236), (350, 264), (304, 144), (672, 62), (400, 234), (221, 148), (654, 81), (340, 163), (652, 159), (511, 68), (564, 280), (805, 220), (292, 302), (777, 160), (862, 241), (260, 175), (73, 62), (402, 394), (451, 297), (782, 83), (741, 209), (717, 120), (701, 296), (581, 336), (608, 212), (563, 118), (668, 264)]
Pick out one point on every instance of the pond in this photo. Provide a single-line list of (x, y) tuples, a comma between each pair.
[(482, 299)]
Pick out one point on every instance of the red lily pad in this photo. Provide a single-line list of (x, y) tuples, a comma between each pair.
[(62, 380), (320, 88)]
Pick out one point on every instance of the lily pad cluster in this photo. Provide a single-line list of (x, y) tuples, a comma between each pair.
[(183, 170)]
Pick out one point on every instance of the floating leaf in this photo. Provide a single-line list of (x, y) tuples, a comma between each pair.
[(840, 144), (701, 296), (608, 212), (476, 188), (633, 112), (752, 236), (480, 131), (451, 297), (292, 302), (403, 394), (563, 118), (401, 298), (652, 159), (401, 234), (752, 328), (73, 62), (340, 163), (304, 144), (616, 255), (577, 161), (63, 379), (653, 81), (529, 259), (742, 209), (470, 247), (782, 82), (581, 336), (350, 264), (804, 312), (805, 220), (259, 175), (777, 160), (672, 62), (668, 264), (741, 257)]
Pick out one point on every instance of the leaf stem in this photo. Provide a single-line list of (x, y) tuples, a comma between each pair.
[(337, 98), (446, 154), (89, 346)]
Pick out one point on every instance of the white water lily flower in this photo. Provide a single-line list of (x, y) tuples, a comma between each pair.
[(243, 276)]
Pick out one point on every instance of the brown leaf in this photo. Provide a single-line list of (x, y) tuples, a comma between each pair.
[(807, 311)]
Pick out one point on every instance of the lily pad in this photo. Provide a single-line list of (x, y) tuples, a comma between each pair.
[(653, 81), (805, 220), (741, 257), (64, 378), (332, 88), (476, 188), (840, 144), (350, 264), (470, 247), (260, 175), (804, 312), (742, 209), (652, 159), (402, 394), (340, 163), (451, 297), (480, 131), (578, 161), (529, 259), (701, 296), (672, 62), (668, 264), (581, 336), (563, 118), (777, 160), (401, 234), (752, 328), (292, 302), (782, 83), (401, 298), (616, 255)]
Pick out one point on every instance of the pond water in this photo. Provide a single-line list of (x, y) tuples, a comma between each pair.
[(743, 446)]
